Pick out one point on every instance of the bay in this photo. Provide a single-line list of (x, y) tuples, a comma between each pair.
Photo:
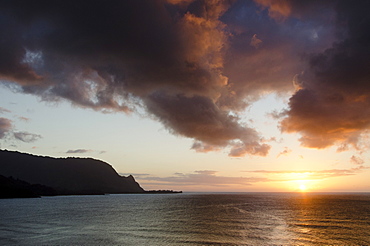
[(188, 219)]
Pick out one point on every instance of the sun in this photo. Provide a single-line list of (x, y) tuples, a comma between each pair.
[(302, 187)]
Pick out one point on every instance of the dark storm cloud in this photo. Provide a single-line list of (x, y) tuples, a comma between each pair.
[(264, 54), (199, 118), (195, 65), (332, 105), (113, 56), (93, 52)]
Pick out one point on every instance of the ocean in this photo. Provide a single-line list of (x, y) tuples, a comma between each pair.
[(188, 219)]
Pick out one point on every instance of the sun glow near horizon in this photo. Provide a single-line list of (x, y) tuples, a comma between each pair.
[(301, 185), (302, 188)]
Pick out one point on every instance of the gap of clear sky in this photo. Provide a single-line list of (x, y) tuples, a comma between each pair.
[(193, 95)]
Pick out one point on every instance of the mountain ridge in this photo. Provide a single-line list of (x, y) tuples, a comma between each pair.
[(68, 175)]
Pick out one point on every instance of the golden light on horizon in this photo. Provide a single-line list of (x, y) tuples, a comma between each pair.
[(301, 185)]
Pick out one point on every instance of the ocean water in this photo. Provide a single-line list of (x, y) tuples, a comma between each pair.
[(188, 219)]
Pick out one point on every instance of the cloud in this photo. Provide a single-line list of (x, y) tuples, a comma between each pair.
[(5, 126), (204, 148), (333, 105), (286, 175), (285, 152), (209, 179), (255, 42), (83, 151), (193, 66), (357, 160), (253, 73), (206, 172), (4, 110), (6, 131), (154, 57), (24, 118), (180, 2), (77, 151), (278, 10), (281, 10), (199, 118), (200, 178), (26, 137)]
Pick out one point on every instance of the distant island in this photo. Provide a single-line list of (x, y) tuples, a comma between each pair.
[(26, 175)]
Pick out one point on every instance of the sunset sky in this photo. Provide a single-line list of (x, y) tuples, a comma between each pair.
[(190, 95)]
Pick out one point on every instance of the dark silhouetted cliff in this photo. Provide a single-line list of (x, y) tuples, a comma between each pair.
[(66, 175)]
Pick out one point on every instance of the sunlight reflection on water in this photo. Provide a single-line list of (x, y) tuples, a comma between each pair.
[(188, 219)]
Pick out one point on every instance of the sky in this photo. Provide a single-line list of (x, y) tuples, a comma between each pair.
[(228, 96)]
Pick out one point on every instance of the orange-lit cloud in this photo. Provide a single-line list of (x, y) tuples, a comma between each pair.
[(281, 10), (278, 10), (180, 2), (285, 152), (327, 117), (357, 160)]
